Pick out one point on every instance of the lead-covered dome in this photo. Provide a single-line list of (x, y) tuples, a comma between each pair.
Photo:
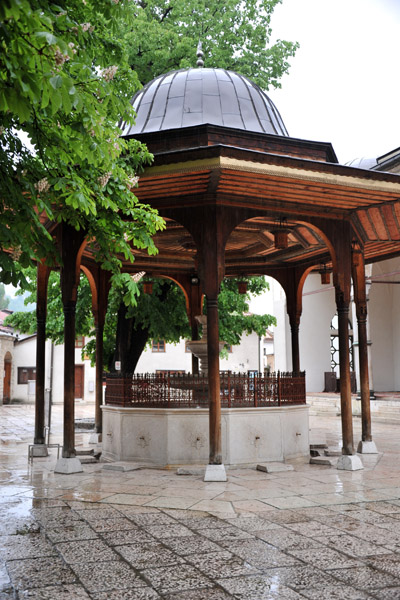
[(200, 96)]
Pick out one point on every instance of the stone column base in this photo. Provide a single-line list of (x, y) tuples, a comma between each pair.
[(367, 448), (37, 450), (95, 438), (215, 473), (349, 463), (68, 466)]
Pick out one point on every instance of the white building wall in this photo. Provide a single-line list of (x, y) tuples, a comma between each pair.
[(319, 307), (173, 359), (242, 358), (396, 334), (25, 356), (282, 343), (383, 308), (6, 349)]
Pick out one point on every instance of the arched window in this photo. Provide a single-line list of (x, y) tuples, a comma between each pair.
[(335, 345)]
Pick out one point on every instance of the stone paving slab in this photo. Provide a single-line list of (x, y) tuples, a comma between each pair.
[(310, 532)]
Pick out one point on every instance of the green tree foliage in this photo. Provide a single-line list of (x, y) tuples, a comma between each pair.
[(235, 35), (64, 84), (80, 164), (234, 316), (4, 299), (159, 316), (25, 322)]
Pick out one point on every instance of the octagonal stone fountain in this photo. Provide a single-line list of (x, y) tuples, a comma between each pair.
[(199, 347)]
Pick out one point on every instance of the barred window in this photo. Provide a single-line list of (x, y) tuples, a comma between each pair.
[(79, 341), (25, 374), (158, 346)]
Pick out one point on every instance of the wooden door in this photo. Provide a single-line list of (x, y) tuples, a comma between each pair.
[(79, 381), (7, 382)]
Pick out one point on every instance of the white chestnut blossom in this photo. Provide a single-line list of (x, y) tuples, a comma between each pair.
[(42, 185), (59, 57), (104, 179), (133, 181), (16, 253), (109, 73), (138, 276)]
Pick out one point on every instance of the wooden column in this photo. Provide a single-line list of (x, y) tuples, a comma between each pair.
[(103, 288), (211, 278), (43, 273), (294, 328), (210, 231), (292, 280), (344, 365), (214, 381), (195, 359), (210, 227), (338, 236), (98, 418), (341, 237), (71, 247), (360, 299), (69, 379)]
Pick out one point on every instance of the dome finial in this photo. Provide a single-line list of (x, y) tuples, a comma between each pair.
[(200, 55)]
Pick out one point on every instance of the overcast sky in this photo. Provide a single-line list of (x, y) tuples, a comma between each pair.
[(343, 86)]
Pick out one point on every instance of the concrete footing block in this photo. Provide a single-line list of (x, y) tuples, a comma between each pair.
[(189, 471), (349, 463), (323, 460), (333, 452), (123, 466), (215, 473), (38, 450), (67, 466), (274, 467), (95, 438), (367, 448)]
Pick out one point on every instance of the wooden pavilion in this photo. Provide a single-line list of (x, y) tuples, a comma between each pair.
[(240, 197)]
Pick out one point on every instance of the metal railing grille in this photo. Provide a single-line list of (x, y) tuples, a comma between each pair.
[(191, 391)]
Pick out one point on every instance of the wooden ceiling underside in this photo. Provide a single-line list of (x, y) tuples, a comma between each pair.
[(370, 202), (284, 194)]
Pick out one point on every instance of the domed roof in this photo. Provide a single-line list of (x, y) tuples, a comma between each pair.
[(362, 163), (199, 96)]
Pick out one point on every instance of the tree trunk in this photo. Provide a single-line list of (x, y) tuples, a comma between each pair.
[(131, 337), (131, 340)]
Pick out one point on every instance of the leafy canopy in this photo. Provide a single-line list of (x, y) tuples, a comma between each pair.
[(162, 313), (235, 35), (60, 85), (4, 299), (64, 84)]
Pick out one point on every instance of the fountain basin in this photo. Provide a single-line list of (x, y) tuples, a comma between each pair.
[(176, 436)]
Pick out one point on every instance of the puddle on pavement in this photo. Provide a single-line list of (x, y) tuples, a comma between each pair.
[(19, 510)]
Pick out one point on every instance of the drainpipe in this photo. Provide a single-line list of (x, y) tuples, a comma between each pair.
[(51, 383)]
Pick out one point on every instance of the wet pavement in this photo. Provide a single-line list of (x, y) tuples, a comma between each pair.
[(314, 532)]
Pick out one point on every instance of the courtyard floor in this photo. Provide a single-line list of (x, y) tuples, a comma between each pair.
[(314, 532)]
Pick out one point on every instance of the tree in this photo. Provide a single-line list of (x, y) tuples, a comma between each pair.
[(25, 322), (64, 84), (157, 36), (235, 35), (161, 315), (4, 300)]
